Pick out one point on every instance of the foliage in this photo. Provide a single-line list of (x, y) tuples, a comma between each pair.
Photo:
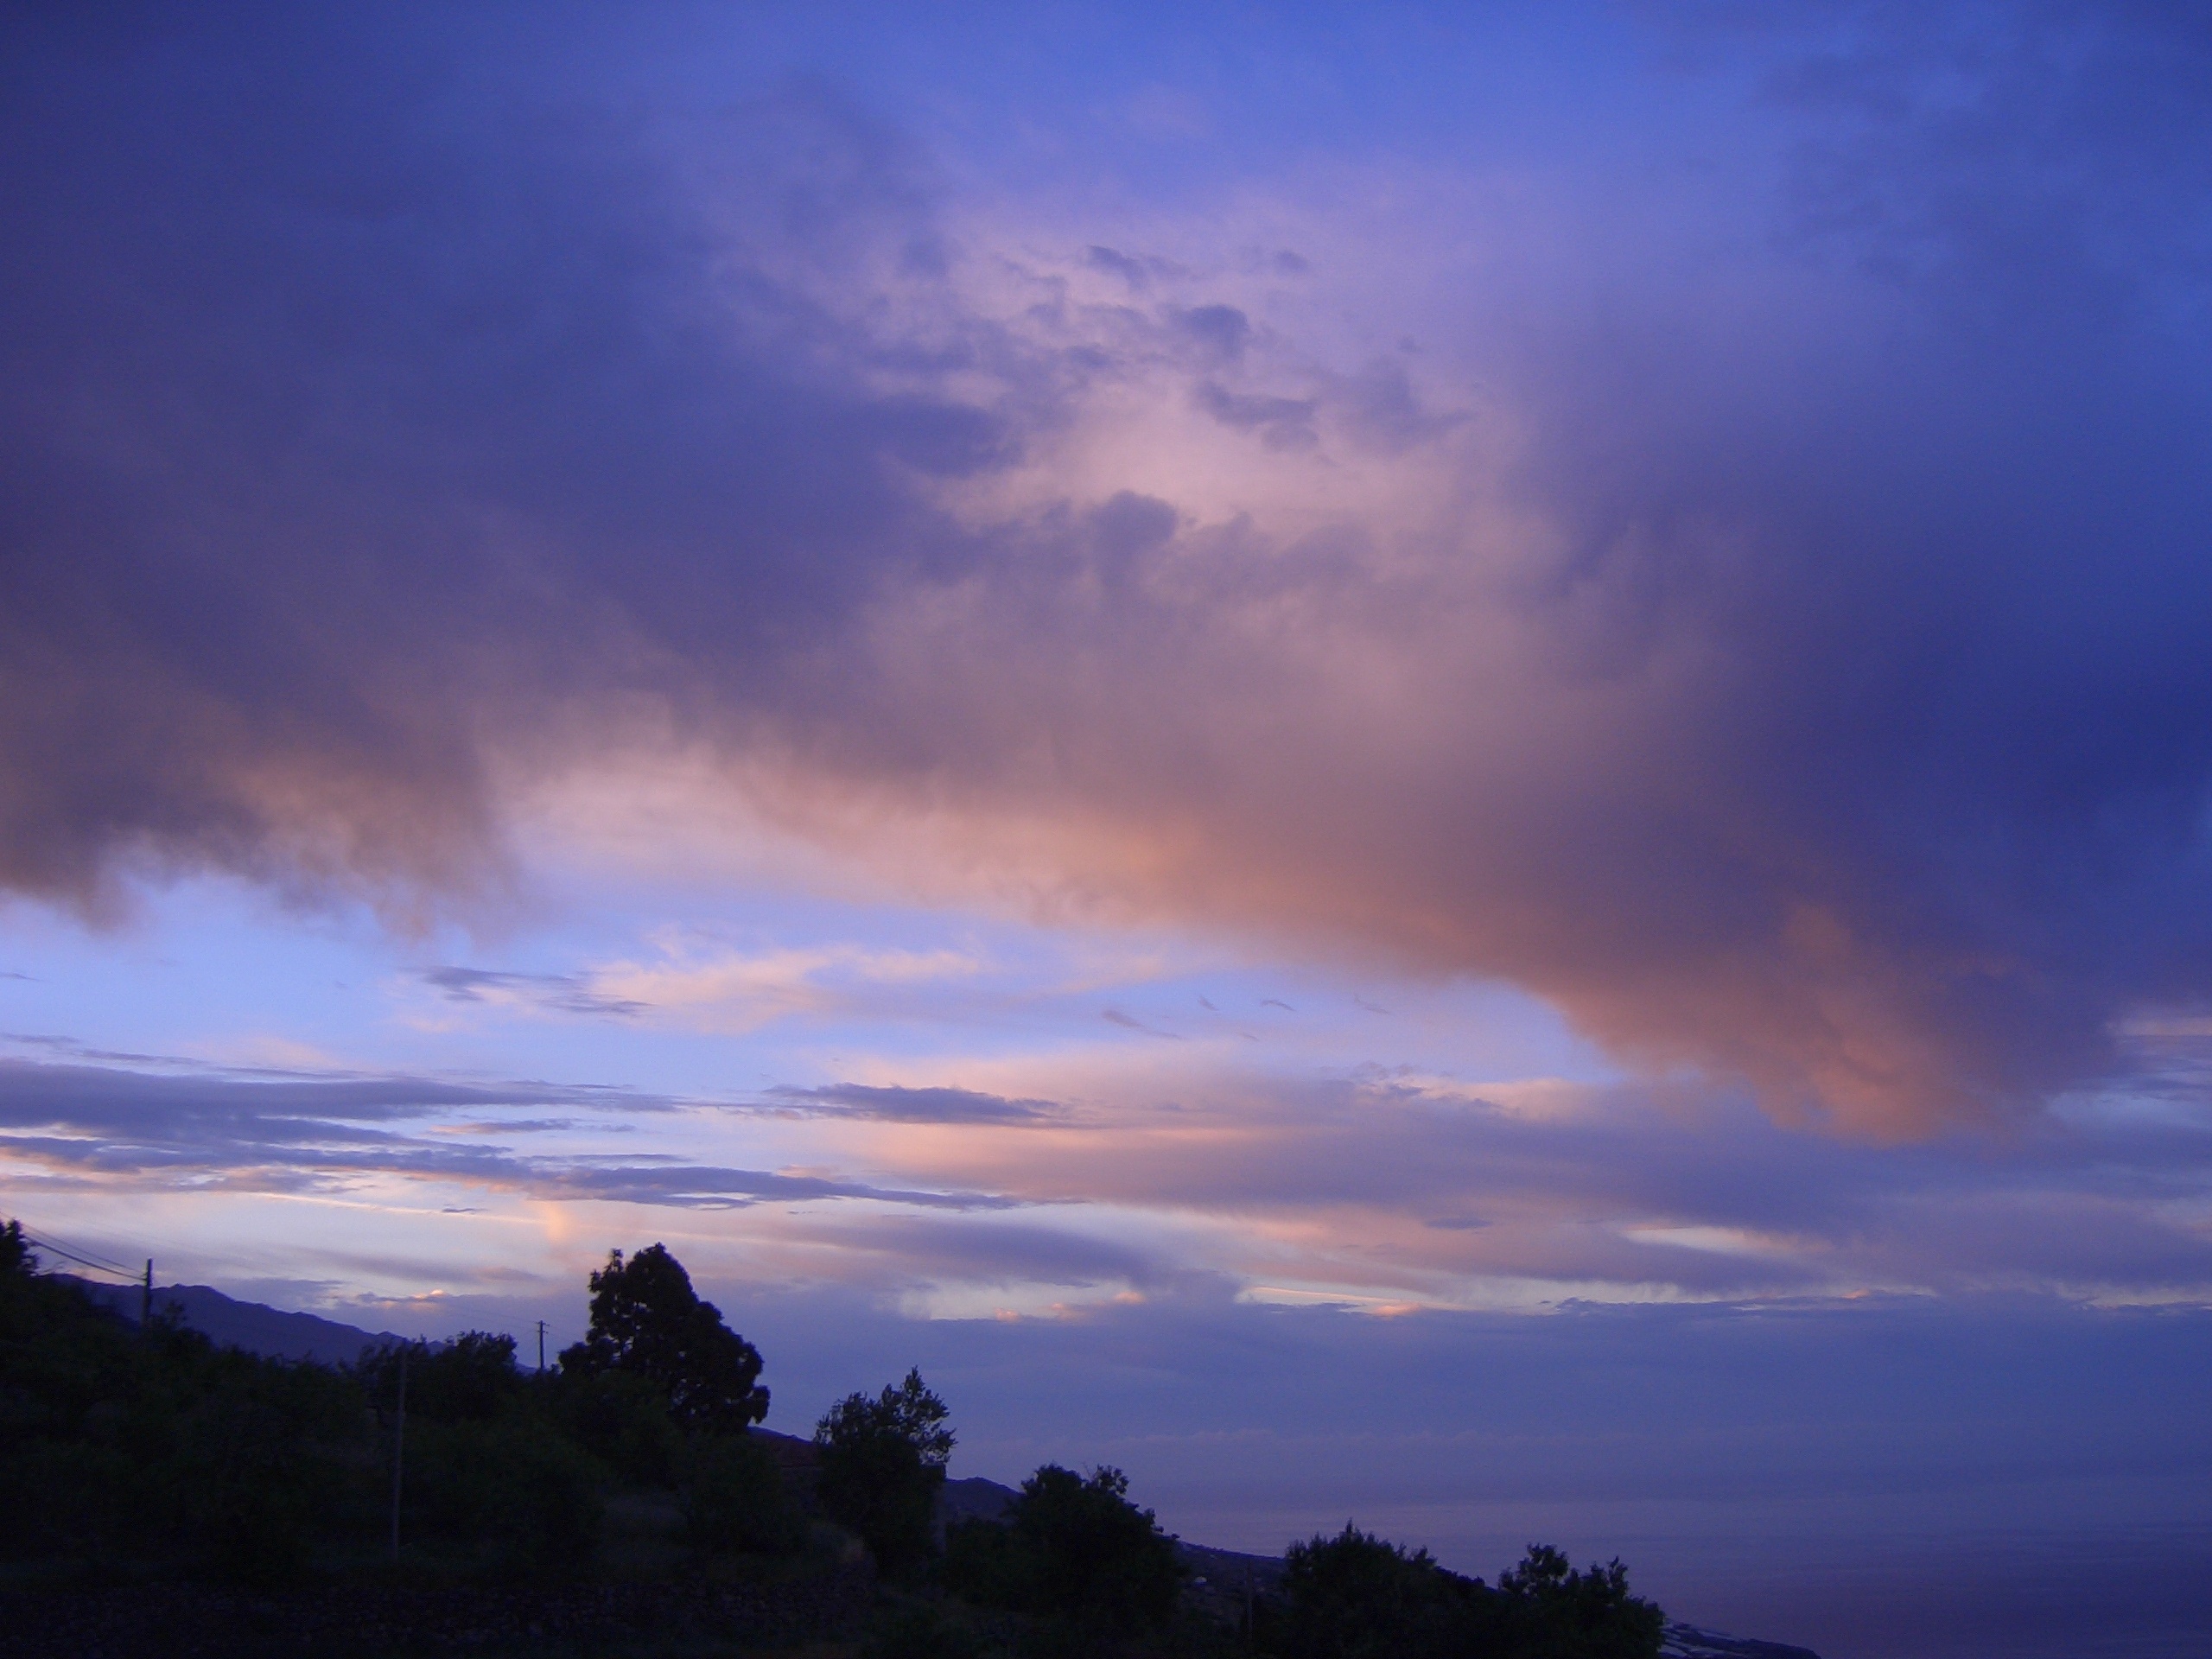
[(647, 1320), (156, 1447), (1579, 1615), (734, 1501), (623, 1419), (881, 1464), (127, 1443), (470, 1379), (1074, 1549), (1357, 1596)]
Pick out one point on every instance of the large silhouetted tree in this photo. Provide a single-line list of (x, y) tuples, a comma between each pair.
[(647, 1320)]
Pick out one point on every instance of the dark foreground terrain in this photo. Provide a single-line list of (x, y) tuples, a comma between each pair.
[(170, 1491)]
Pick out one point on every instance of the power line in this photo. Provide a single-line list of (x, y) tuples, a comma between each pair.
[(82, 1260)]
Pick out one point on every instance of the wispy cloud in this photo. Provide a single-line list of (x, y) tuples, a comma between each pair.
[(253, 1132), (558, 993), (900, 1105)]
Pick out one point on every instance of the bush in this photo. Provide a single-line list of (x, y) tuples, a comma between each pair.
[(734, 1501), (623, 1419), (1356, 1596), (1093, 1555), (881, 1463), (470, 1379), (1564, 1614), (1071, 1550), (514, 1486)]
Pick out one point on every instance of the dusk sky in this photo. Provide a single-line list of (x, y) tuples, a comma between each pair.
[(1447, 763)]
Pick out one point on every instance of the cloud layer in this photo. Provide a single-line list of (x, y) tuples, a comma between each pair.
[(1736, 572), (1383, 1194)]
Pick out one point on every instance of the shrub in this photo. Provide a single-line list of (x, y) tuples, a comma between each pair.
[(734, 1501), (470, 1379), (881, 1463), (1564, 1614), (1072, 1549), (623, 1419), (1357, 1596)]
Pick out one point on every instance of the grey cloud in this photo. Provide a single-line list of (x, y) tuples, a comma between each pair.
[(503, 410), (564, 993), (903, 1105), (937, 1250), (1112, 260), (1380, 408), (706, 1187), (373, 394), (1220, 331), (1626, 1187), (290, 1133), (1129, 1022), (1282, 423)]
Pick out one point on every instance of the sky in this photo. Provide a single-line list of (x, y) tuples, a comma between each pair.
[(1444, 764)]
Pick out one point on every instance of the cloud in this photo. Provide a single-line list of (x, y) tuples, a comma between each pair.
[(898, 1104), (739, 991), (1764, 616), (258, 1132), (1410, 1190), (560, 993)]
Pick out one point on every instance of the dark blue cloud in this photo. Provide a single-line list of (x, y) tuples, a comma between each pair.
[(354, 376), (381, 389)]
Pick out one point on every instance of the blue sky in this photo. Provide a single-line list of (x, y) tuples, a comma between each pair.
[(1442, 764)]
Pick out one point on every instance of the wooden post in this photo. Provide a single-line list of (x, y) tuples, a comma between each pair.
[(541, 1347), (146, 1300), (398, 1454)]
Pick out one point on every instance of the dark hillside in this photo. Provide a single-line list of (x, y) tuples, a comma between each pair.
[(248, 1326), (215, 1484)]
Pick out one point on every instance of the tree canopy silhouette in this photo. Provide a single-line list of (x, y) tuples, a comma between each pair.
[(647, 1320), (1072, 1549), (1356, 1596), (882, 1461)]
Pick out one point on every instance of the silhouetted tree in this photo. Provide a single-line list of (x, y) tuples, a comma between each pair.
[(16, 1253), (1074, 1549), (881, 1463), (1357, 1596), (465, 1380), (647, 1320), (1564, 1614)]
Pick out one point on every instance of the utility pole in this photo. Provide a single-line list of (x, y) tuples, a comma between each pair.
[(146, 1300), (398, 1454), (541, 1347)]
